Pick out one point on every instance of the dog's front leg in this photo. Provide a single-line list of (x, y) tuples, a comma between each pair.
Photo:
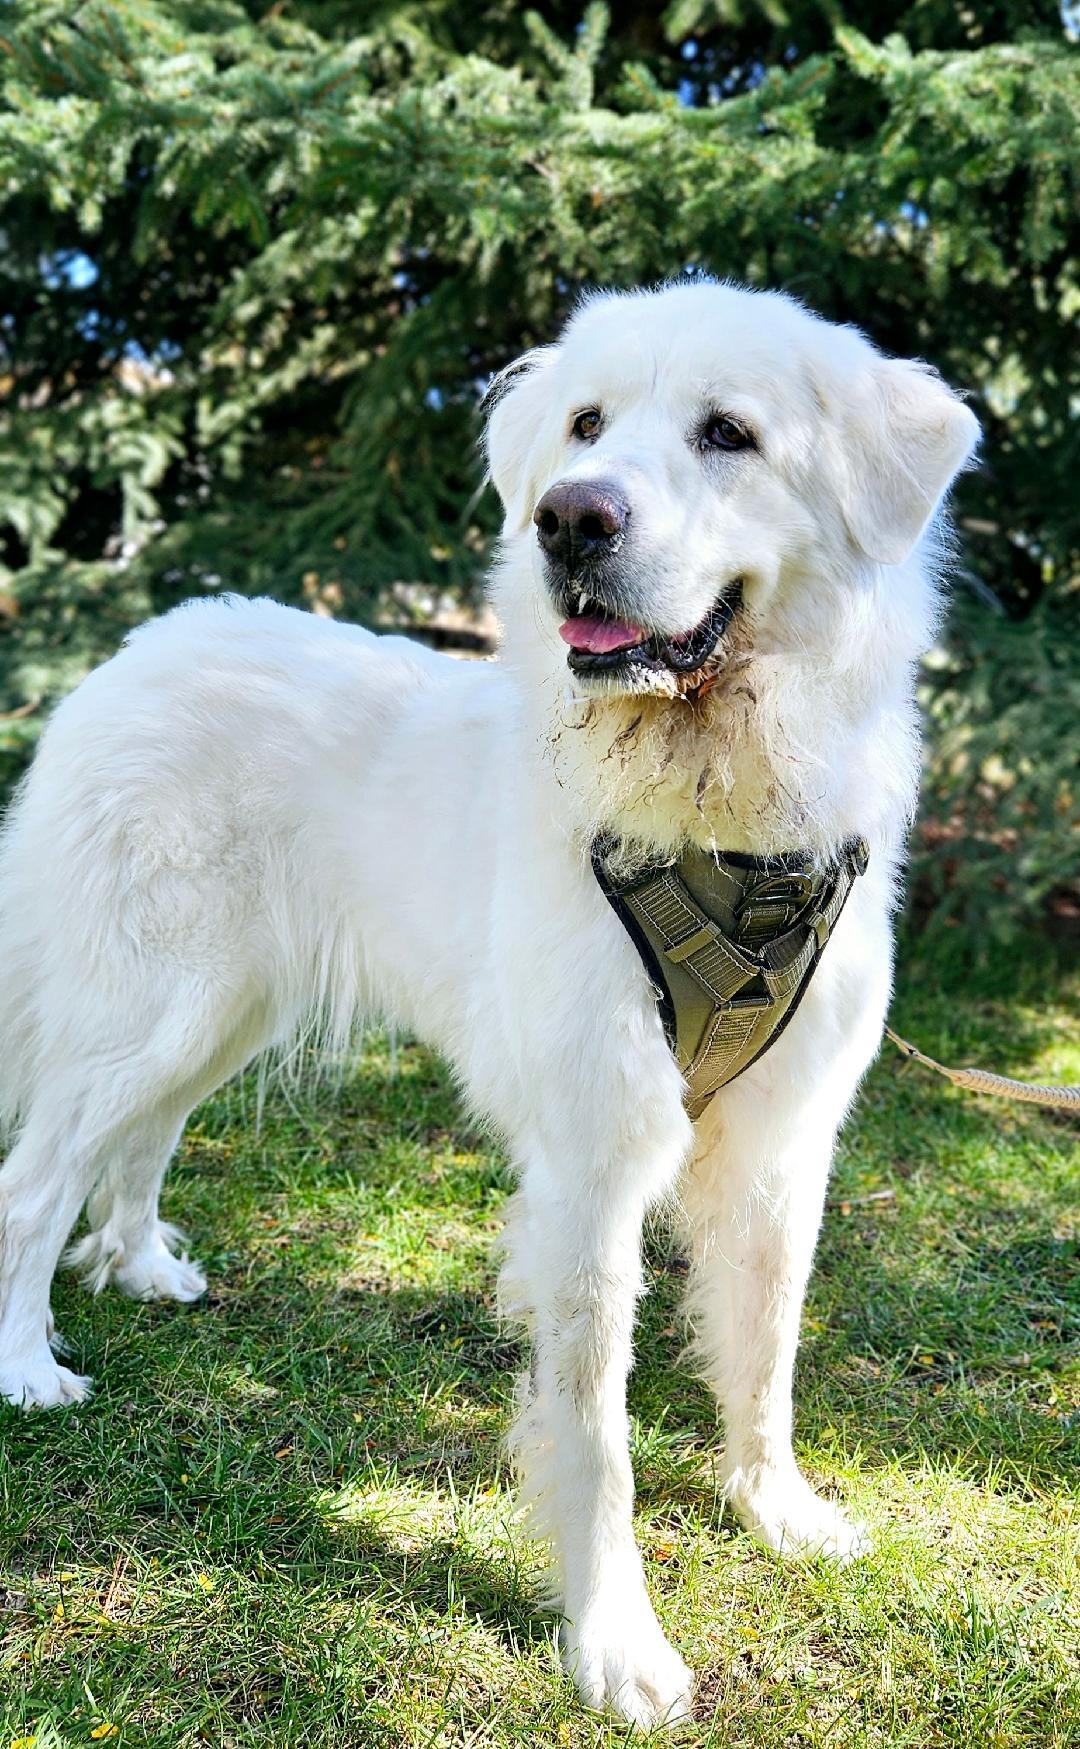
[(573, 1270), (754, 1196)]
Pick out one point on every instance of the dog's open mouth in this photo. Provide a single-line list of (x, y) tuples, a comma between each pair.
[(602, 644)]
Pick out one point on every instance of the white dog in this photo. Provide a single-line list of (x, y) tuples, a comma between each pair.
[(718, 570)]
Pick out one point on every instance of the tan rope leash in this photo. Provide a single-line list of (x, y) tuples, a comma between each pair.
[(980, 1081)]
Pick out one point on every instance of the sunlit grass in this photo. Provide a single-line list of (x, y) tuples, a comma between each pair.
[(284, 1516)]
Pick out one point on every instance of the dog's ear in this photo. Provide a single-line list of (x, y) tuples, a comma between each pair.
[(513, 408), (906, 436)]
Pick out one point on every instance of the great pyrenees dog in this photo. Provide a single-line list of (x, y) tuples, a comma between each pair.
[(719, 566)]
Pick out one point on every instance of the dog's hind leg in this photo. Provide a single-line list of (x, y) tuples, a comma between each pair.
[(128, 1244), (42, 1187), (104, 1128)]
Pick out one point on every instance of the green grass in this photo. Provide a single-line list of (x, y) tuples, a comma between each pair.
[(283, 1518)]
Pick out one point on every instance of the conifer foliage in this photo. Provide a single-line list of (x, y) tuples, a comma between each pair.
[(258, 260)]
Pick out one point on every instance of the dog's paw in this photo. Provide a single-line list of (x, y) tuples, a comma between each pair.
[(623, 1665), (159, 1275), (784, 1513), (41, 1384), (154, 1272)]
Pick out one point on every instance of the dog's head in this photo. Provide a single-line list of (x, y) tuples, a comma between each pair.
[(689, 459)]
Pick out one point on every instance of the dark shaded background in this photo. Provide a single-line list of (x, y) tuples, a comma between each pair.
[(256, 263)]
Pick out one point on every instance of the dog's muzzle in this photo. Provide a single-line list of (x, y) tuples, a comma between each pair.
[(581, 526)]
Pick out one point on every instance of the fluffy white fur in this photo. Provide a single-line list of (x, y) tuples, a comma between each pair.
[(251, 820)]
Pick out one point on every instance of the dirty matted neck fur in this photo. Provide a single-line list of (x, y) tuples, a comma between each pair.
[(807, 734)]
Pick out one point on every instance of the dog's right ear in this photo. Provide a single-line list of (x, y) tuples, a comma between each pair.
[(513, 407)]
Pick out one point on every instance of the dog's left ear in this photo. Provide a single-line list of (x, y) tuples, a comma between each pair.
[(906, 436)]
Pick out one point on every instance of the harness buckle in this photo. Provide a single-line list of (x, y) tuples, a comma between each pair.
[(792, 889)]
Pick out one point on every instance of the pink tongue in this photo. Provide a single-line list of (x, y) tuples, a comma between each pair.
[(591, 631)]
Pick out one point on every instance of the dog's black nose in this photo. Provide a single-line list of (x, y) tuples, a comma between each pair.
[(576, 521)]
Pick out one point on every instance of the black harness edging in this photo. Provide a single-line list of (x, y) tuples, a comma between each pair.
[(730, 943)]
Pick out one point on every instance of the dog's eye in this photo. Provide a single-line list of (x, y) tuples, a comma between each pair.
[(721, 431), (587, 424)]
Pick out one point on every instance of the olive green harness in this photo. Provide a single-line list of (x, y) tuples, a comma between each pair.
[(731, 943)]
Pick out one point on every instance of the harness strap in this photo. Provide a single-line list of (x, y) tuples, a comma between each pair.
[(732, 943)]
